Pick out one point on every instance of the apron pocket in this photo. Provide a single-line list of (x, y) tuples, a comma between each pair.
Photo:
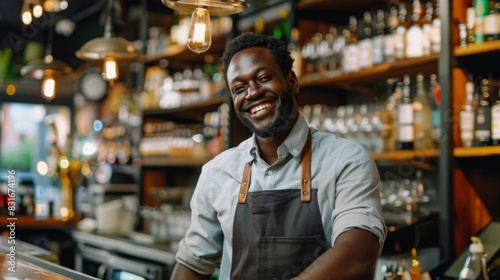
[(286, 257)]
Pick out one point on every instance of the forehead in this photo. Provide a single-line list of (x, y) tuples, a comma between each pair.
[(247, 60)]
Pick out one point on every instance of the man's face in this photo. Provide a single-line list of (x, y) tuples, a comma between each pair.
[(262, 96)]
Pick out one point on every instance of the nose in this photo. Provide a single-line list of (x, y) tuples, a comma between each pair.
[(254, 89)]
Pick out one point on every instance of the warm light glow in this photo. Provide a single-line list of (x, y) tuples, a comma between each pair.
[(64, 163), (89, 149), (37, 11), (49, 88), (26, 17), (42, 168), (11, 89), (200, 37), (110, 69)]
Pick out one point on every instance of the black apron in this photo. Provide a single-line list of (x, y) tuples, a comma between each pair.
[(277, 234)]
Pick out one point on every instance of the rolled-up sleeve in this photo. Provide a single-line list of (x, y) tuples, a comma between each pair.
[(201, 248), (357, 196)]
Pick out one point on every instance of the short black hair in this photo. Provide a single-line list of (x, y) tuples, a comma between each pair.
[(277, 48)]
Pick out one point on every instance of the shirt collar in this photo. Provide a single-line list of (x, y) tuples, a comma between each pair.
[(293, 144)]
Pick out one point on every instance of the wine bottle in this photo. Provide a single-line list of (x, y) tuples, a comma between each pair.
[(481, 8), (467, 117), (495, 122), (435, 99), (406, 122), (414, 39), (399, 36), (483, 116), (422, 117), (366, 42)]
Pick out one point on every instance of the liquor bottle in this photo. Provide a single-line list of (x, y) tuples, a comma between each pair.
[(398, 95), (435, 100), (427, 28), (470, 21), (492, 24), (259, 26), (366, 42), (390, 34), (405, 118), (483, 116), (351, 51), (415, 265), (378, 38), (467, 116), (282, 31), (481, 8), (436, 30), (388, 113), (295, 51), (422, 117), (475, 265), (399, 38), (495, 122), (414, 38)]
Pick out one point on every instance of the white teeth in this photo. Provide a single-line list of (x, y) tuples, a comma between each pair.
[(260, 108)]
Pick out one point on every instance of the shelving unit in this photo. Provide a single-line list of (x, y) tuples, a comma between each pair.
[(450, 180)]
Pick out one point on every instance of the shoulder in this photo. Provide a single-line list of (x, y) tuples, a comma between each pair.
[(331, 146), (231, 159)]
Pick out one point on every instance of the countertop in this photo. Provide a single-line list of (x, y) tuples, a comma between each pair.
[(17, 263)]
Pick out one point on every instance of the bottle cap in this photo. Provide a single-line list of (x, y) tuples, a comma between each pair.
[(476, 246)]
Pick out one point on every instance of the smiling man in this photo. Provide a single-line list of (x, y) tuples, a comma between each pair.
[(290, 201)]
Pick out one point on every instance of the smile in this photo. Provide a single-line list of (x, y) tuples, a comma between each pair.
[(260, 107)]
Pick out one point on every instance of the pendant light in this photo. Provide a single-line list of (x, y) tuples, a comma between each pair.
[(200, 38), (47, 69), (109, 50)]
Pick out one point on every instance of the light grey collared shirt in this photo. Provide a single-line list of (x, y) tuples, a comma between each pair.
[(345, 175)]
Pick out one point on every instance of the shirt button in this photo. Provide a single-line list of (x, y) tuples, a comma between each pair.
[(294, 151), (270, 172)]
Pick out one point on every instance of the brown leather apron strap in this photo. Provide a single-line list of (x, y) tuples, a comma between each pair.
[(245, 183), (305, 186)]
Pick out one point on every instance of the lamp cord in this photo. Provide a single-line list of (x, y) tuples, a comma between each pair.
[(108, 28)]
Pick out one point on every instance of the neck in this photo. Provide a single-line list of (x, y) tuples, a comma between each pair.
[(268, 146)]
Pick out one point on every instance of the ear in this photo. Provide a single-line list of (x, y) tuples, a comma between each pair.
[(293, 82)]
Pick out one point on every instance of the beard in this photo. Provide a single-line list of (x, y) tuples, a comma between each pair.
[(284, 108)]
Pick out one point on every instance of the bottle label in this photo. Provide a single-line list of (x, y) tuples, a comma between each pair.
[(495, 122), (351, 55), (406, 133), (378, 50), (389, 41), (366, 53), (436, 36), (436, 119), (406, 114), (491, 25), (414, 42), (466, 120)]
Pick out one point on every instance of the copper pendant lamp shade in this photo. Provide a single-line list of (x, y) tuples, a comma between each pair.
[(47, 66), (99, 48)]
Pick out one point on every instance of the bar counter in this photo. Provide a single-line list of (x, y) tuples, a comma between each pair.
[(19, 263)]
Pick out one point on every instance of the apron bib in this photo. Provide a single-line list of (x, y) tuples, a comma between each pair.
[(277, 234)]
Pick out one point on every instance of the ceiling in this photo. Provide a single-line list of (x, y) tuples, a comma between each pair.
[(88, 18)]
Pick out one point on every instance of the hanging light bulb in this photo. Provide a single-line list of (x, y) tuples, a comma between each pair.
[(109, 50), (37, 9), (110, 69), (199, 38), (49, 88), (26, 16)]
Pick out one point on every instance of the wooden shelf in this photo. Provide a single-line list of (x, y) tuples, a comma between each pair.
[(490, 47), (426, 65), (31, 222), (189, 112), (406, 155), (174, 161), (337, 5), (487, 151)]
